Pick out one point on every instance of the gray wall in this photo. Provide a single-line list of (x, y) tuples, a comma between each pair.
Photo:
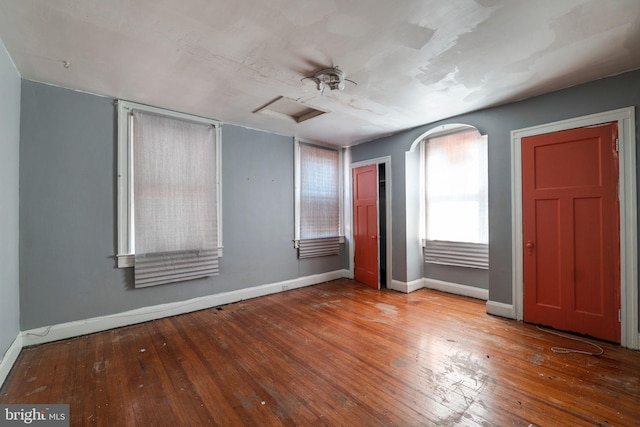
[(598, 96), (67, 201), (68, 213), (9, 161)]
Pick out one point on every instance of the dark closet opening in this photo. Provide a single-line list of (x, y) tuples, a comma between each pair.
[(382, 232)]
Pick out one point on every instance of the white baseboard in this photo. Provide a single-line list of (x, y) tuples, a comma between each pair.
[(457, 289), (439, 285), (97, 324), (9, 358), (501, 309), (399, 286), (405, 287)]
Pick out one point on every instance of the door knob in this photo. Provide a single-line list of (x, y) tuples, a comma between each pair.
[(529, 246), (374, 236)]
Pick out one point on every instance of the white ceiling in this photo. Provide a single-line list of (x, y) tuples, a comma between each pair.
[(415, 61)]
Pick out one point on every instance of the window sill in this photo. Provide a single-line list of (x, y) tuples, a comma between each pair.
[(125, 261)]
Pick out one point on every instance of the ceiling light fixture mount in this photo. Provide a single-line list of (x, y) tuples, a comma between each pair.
[(332, 78)]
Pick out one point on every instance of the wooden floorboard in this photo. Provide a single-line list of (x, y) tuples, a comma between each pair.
[(338, 353)]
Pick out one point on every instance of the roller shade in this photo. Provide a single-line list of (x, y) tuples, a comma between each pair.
[(319, 201), (174, 191), (475, 255), (318, 247)]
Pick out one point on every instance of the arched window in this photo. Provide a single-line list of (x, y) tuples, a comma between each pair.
[(454, 166)]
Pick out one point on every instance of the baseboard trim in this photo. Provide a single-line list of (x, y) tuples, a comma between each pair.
[(97, 324), (9, 358), (501, 309), (405, 287), (457, 289)]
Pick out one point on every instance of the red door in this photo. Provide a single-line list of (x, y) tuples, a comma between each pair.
[(365, 213), (571, 231)]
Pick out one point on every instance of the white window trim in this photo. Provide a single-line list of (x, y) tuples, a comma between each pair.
[(419, 144), (462, 247), (297, 190), (125, 255)]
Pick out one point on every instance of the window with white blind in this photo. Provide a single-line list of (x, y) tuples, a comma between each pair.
[(456, 202), (168, 194), (318, 200)]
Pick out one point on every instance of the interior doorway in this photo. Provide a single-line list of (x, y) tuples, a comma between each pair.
[(628, 235), (378, 247), (382, 224), (570, 230), (365, 225)]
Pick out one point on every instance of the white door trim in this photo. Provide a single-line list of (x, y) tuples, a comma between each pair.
[(387, 173), (628, 217)]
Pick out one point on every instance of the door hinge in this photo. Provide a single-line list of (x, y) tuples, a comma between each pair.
[(619, 316), (617, 145)]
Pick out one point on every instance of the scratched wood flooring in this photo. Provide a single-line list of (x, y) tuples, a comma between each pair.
[(333, 354)]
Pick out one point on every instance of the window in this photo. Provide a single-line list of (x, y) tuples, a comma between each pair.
[(168, 194), (456, 207), (318, 200)]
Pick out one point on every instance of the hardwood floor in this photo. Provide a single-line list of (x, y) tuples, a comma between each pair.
[(338, 353)]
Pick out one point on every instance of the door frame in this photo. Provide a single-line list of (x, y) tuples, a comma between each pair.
[(627, 195), (387, 173)]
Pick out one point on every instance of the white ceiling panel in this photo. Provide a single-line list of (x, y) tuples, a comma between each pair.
[(415, 61)]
